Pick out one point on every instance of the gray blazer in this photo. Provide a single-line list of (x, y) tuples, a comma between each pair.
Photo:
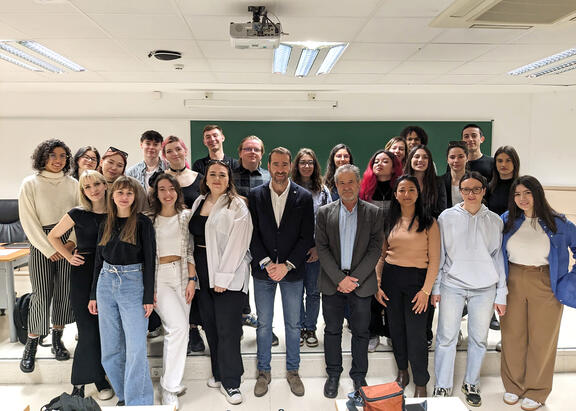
[(367, 248)]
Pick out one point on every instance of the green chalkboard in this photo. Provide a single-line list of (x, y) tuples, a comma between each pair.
[(363, 137)]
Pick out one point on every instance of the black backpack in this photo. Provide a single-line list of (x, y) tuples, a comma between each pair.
[(21, 307)]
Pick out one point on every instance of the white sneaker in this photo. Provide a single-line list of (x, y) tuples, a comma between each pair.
[(212, 383), (373, 343), (170, 398), (105, 394), (530, 405), (233, 395), (510, 398)]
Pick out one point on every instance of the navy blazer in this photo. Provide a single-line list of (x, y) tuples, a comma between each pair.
[(292, 240)]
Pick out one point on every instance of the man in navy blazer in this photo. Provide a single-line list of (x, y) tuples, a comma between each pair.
[(283, 218)]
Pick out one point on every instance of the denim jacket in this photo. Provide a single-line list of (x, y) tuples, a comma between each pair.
[(562, 281)]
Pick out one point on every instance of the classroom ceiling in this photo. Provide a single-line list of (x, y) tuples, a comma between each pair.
[(391, 43)]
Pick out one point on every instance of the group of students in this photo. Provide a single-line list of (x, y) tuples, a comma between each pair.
[(107, 266)]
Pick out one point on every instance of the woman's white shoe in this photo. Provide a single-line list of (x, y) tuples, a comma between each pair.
[(510, 398), (530, 405)]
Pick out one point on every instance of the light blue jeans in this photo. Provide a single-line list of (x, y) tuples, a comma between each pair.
[(480, 308), (264, 293), (123, 329)]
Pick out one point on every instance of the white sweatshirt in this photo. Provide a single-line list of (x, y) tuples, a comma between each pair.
[(471, 253)]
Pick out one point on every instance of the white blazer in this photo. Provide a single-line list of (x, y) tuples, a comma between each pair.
[(228, 234)]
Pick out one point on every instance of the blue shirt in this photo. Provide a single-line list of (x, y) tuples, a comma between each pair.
[(347, 225)]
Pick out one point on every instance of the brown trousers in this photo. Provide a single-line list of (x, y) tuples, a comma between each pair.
[(530, 333)]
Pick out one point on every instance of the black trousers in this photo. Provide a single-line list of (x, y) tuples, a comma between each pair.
[(222, 323), (333, 307), (86, 365), (378, 320), (407, 329)]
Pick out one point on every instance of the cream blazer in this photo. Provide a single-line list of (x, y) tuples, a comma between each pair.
[(228, 234)]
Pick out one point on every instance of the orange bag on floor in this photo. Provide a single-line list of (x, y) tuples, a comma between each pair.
[(383, 397)]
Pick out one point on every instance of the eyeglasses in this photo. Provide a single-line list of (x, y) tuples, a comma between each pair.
[(251, 149), (117, 150), (306, 163), (54, 156), (475, 190), (88, 158)]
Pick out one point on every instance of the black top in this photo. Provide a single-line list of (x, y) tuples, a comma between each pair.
[(498, 199), (192, 191), (201, 164), (117, 252), (86, 224), (484, 165), (383, 191), (197, 226), (334, 194)]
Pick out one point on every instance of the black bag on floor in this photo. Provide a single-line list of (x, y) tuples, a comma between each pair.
[(20, 316), (67, 402)]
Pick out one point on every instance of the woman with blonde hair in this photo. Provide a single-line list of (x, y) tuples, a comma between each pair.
[(86, 219)]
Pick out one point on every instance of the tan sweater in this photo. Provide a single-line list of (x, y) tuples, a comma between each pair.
[(413, 249), (44, 198)]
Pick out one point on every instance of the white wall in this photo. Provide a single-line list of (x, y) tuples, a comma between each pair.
[(536, 124)]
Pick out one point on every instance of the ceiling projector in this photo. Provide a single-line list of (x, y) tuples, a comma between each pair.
[(260, 33)]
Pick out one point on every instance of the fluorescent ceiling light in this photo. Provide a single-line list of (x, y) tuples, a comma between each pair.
[(562, 68), (331, 58), (18, 62), (307, 58), (52, 55), (29, 58), (543, 62), (281, 58)]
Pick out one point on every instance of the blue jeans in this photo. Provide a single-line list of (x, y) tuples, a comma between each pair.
[(309, 313), (264, 292), (480, 308), (123, 329)]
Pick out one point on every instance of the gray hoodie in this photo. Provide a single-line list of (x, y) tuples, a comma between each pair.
[(471, 253)]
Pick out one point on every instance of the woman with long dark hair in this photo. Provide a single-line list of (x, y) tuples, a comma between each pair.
[(86, 158), (175, 280), (506, 170), (123, 292), (339, 155), (411, 253), (86, 219), (44, 198), (306, 173), (457, 159), (222, 228), (537, 244), (113, 164)]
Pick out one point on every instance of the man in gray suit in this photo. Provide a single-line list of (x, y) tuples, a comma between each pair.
[(349, 243)]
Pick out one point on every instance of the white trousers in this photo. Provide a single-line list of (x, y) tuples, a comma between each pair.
[(173, 310)]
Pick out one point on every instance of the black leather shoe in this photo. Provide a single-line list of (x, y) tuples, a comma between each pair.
[(331, 387), (494, 323), (58, 348), (403, 378), (361, 382), (275, 340), (121, 403), (29, 356), (195, 342)]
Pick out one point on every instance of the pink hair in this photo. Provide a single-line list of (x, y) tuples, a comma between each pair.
[(174, 139), (369, 179)]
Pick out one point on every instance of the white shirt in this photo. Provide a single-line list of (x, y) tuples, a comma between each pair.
[(529, 245), (278, 202)]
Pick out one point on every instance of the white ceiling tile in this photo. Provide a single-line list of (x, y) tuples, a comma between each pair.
[(363, 67), (158, 77), (212, 27), (321, 28), (53, 25), (485, 67), (143, 26), (425, 67), (218, 8), (223, 50), (141, 48), (412, 8), (125, 6), (72, 48), (555, 34), (241, 66), (353, 78), (110, 63), (520, 52), (378, 51), (9, 33), (79, 77), (302, 82), (395, 30), (190, 64), (21, 75), (460, 79), (30, 6), (450, 52), (488, 36), (324, 8), (243, 78), (407, 79)]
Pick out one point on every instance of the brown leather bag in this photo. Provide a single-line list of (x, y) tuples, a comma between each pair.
[(383, 397)]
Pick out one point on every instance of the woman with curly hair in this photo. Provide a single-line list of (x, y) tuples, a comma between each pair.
[(44, 198)]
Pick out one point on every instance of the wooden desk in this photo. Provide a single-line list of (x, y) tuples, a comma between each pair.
[(10, 258)]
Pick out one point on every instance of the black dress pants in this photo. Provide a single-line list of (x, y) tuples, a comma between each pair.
[(333, 307), (86, 365), (407, 329), (378, 320)]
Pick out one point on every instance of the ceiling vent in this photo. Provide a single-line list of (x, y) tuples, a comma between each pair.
[(520, 14)]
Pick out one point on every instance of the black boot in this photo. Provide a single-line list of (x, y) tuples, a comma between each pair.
[(195, 342), (78, 391), (27, 361), (58, 348)]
